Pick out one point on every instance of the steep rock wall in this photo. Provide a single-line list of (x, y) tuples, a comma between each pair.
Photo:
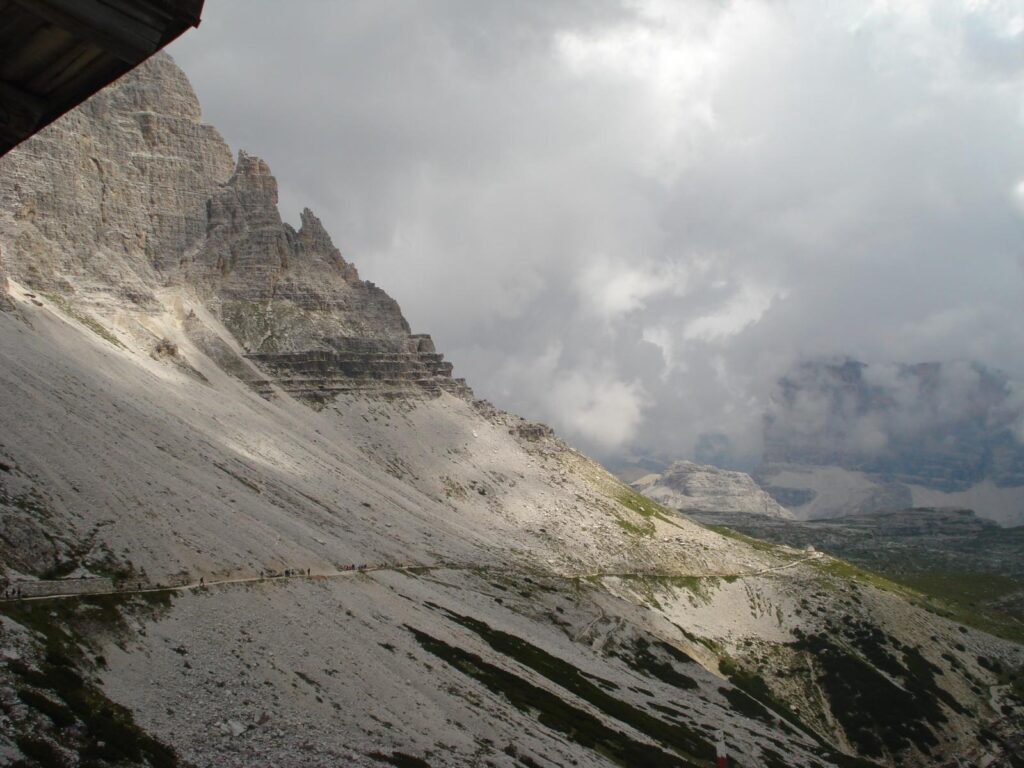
[(132, 195)]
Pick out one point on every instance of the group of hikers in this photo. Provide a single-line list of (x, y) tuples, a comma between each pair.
[(286, 572), (308, 571)]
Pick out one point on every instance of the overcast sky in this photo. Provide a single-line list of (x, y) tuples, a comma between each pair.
[(628, 218)]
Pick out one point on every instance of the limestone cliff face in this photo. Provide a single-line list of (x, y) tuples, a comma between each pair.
[(251, 259), (102, 204), (132, 195), (688, 486)]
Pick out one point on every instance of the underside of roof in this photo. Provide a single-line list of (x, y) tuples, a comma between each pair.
[(54, 54)]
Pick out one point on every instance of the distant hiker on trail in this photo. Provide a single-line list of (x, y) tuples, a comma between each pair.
[(308, 570), (202, 581)]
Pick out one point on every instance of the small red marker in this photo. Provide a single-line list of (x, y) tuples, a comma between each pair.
[(721, 759)]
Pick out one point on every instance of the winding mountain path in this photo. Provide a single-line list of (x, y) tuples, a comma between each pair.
[(203, 582)]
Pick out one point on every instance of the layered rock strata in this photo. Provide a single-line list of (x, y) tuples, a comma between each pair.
[(361, 365)]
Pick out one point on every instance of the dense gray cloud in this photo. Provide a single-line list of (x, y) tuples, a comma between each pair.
[(628, 219), (945, 426)]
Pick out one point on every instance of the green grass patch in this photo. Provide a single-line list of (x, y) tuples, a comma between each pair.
[(642, 505), (552, 711), (644, 529), (58, 687), (846, 571), (637, 502), (646, 510), (966, 597), (702, 587), (685, 741), (971, 589), (758, 544)]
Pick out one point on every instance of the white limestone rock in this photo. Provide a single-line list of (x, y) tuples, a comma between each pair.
[(689, 486)]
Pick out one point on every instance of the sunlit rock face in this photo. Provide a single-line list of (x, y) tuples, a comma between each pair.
[(104, 204)]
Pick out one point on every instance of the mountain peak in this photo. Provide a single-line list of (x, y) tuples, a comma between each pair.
[(314, 244), (132, 195), (158, 87)]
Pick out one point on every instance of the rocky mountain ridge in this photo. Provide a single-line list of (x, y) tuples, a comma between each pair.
[(138, 174)]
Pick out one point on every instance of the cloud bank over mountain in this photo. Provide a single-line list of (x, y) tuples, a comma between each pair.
[(629, 219), (945, 427)]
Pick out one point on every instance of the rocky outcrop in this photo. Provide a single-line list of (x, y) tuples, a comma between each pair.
[(362, 365), (688, 486), (132, 195), (299, 310)]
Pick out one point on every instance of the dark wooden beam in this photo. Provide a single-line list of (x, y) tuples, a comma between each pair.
[(12, 95), (54, 54), (117, 33)]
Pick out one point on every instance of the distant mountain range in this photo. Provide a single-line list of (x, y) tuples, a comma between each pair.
[(845, 437)]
